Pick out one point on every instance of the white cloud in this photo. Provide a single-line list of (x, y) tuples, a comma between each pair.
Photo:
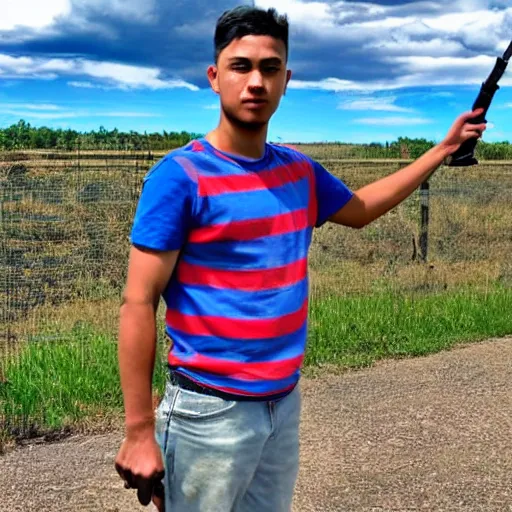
[(30, 106), (25, 113), (124, 114), (336, 45), (442, 94), (38, 14), (392, 121), (502, 45), (415, 18), (422, 64), (122, 9), (41, 15), (386, 104), (416, 71), (130, 76), (478, 27), (213, 106), (434, 47), (327, 84), (30, 13), (447, 70), (121, 76), (84, 85), (302, 13), (411, 31), (339, 85)]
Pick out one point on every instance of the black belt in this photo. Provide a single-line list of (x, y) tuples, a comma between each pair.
[(185, 383)]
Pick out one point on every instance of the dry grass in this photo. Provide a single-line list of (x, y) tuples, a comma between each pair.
[(65, 233), (469, 234)]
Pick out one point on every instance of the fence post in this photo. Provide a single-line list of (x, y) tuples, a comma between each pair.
[(424, 202), (1, 209)]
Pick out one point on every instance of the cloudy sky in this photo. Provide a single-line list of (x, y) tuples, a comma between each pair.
[(362, 71)]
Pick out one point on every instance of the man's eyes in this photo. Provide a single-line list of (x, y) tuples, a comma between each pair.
[(239, 66)]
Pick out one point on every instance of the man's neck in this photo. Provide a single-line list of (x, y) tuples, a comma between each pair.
[(232, 139)]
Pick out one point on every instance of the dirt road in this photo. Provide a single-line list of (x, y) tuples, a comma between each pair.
[(429, 434)]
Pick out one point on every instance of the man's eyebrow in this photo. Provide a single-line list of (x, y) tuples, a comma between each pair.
[(272, 60), (269, 60)]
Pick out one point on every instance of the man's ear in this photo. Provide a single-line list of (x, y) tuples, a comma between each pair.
[(212, 73), (288, 77)]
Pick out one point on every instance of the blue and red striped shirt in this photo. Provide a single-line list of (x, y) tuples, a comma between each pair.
[(237, 302)]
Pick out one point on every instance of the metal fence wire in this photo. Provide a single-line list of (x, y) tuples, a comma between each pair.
[(64, 240)]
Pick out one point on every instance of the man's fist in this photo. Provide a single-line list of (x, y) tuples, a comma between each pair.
[(461, 130), (139, 464)]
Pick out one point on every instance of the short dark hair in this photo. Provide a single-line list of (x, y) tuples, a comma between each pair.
[(244, 21)]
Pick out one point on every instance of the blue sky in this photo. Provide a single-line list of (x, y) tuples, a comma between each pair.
[(362, 71)]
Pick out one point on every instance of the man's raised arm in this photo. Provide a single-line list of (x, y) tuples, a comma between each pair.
[(377, 198)]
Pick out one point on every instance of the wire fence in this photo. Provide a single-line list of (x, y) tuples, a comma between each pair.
[(64, 239)]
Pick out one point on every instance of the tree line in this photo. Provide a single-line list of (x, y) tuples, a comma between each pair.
[(23, 136), (414, 148)]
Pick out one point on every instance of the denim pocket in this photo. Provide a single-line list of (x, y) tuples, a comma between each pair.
[(189, 404), (163, 415)]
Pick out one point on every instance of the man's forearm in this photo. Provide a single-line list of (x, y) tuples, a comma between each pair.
[(137, 348), (383, 195)]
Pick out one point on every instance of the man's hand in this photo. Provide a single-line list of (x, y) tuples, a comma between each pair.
[(139, 463), (461, 131)]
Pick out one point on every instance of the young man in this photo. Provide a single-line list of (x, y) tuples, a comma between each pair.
[(222, 232)]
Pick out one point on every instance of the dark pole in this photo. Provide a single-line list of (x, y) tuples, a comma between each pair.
[(424, 202)]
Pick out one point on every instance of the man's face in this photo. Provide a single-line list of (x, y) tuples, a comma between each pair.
[(250, 77)]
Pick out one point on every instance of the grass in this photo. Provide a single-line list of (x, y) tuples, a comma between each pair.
[(54, 386), (63, 259), (357, 331), (57, 385)]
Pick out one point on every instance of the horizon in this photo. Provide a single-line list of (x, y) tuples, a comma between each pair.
[(171, 133)]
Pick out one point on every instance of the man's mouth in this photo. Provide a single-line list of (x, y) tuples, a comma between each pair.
[(254, 103)]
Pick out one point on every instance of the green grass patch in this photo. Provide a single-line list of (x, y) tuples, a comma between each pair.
[(357, 331), (54, 385)]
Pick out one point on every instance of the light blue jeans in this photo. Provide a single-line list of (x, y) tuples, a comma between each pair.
[(228, 456)]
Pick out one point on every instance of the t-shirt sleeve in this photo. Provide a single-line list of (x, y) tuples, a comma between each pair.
[(165, 208), (331, 193)]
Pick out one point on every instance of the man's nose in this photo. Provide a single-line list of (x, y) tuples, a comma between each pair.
[(255, 80)]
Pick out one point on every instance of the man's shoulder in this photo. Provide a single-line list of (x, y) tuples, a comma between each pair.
[(284, 146), (175, 162), (192, 149), (290, 151), (292, 154)]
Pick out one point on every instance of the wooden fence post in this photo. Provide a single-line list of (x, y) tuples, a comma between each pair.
[(424, 202)]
